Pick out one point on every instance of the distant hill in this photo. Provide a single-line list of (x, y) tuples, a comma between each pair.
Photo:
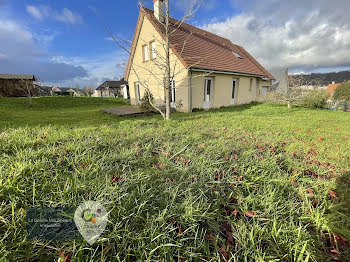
[(323, 78)]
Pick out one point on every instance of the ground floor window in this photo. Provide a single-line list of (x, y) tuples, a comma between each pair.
[(264, 90), (173, 91), (234, 91), (137, 91), (207, 89)]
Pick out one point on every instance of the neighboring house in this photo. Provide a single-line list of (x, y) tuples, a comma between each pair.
[(331, 88), (210, 71), (44, 90), (113, 89), (64, 91), (17, 85)]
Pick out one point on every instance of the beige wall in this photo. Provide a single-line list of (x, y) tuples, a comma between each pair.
[(223, 89), (150, 75)]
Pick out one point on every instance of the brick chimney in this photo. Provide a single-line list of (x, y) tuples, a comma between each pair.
[(159, 10)]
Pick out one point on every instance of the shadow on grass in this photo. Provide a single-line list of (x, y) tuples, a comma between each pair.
[(339, 221)]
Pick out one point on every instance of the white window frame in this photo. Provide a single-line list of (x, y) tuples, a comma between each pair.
[(234, 91), (145, 51), (138, 91), (208, 102), (153, 50), (267, 90), (172, 93)]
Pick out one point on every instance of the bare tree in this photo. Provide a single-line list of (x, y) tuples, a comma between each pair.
[(167, 65)]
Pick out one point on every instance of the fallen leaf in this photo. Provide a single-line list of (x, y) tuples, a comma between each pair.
[(116, 179), (293, 183), (320, 138), (83, 166), (169, 180), (333, 194), (226, 158), (158, 165), (235, 157), (224, 252), (210, 236), (235, 212), (250, 214), (310, 191), (334, 251), (202, 145)]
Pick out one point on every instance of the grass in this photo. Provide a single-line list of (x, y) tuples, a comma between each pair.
[(251, 183), (66, 111)]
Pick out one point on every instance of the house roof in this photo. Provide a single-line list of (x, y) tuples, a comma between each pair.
[(331, 88), (199, 49), (112, 84), (17, 76)]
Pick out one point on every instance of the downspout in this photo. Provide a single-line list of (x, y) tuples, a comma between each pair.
[(190, 91)]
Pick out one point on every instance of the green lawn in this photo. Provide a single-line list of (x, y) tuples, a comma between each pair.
[(249, 183)]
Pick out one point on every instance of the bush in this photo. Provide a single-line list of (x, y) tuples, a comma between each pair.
[(145, 102), (315, 99)]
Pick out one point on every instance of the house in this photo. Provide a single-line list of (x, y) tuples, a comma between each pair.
[(17, 85), (65, 91), (113, 89), (209, 71), (331, 88)]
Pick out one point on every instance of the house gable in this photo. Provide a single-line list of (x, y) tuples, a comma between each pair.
[(142, 16)]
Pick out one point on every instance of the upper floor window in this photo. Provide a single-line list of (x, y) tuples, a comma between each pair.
[(145, 53), (153, 49)]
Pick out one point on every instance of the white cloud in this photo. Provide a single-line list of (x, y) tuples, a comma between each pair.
[(300, 34), (42, 12), (68, 16), (21, 53), (104, 67), (35, 12)]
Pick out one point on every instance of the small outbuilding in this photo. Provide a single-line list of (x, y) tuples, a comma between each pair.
[(17, 85)]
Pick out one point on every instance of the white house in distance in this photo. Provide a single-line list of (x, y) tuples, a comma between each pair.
[(113, 88)]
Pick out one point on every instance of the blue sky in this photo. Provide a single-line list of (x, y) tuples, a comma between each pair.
[(65, 43)]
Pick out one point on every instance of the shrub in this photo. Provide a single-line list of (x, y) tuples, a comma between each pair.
[(315, 99), (146, 101), (342, 92)]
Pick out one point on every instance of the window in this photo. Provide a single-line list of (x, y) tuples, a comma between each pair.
[(251, 84), (145, 53), (237, 55), (172, 94), (153, 50), (234, 87), (264, 90), (137, 91), (207, 90)]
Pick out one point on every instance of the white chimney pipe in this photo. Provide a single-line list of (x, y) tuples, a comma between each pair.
[(159, 10)]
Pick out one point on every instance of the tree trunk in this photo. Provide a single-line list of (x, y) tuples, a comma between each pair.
[(167, 77), (289, 105)]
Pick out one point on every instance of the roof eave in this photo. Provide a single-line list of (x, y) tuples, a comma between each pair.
[(208, 70)]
